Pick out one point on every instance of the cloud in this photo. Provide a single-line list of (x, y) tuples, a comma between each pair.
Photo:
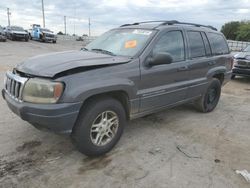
[(106, 14)]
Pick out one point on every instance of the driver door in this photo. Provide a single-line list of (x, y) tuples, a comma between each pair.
[(167, 84)]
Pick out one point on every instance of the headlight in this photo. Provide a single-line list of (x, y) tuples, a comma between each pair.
[(42, 91)]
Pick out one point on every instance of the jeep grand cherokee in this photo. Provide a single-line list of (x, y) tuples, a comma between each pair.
[(128, 72)]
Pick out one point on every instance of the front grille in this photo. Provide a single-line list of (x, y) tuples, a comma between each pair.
[(19, 35), (14, 85), (49, 35), (242, 63)]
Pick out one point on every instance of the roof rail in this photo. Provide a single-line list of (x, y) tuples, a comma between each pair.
[(171, 22)]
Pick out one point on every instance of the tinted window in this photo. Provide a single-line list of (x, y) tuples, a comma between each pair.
[(218, 44), (172, 43), (207, 46), (196, 44)]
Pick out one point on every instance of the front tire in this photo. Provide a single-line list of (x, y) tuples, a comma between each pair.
[(99, 126), (210, 98)]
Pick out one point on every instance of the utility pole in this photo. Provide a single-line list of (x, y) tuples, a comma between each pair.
[(43, 14), (8, 14), (65, 25), (89, 27)]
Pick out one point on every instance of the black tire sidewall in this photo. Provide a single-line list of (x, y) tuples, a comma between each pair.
[(81, 132), (216, 85)]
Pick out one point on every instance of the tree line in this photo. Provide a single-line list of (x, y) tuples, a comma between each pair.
[(237, 30)]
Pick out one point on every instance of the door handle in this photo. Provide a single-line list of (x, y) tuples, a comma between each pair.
[(183, 68), (211, 63)]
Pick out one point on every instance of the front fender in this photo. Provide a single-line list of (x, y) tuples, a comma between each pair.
[(86, 90)]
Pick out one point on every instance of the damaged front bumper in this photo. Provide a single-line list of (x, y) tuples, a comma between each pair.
[(58, 118)]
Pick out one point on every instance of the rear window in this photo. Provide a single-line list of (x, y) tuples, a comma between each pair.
[(218, 44)]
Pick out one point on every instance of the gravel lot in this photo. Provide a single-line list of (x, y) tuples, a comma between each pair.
[(175, 148)]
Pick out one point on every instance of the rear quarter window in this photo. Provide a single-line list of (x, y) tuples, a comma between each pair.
[(218, 44)]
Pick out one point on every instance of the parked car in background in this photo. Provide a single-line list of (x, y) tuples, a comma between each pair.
[(128, 72), (16, 33), (241, 65), (2, 35), (42, 34)]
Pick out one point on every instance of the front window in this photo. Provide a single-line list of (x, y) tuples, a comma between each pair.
[(124, 42), (171, 42)]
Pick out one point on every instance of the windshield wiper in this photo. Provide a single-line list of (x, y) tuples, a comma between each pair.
[(103, 51)]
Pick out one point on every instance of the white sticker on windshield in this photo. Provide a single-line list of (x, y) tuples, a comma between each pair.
[(142, 32)]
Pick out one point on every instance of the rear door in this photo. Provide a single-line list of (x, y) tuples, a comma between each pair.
[(199, 62), (164, 85)]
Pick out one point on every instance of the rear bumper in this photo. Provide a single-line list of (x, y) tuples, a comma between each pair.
[(58, 118)]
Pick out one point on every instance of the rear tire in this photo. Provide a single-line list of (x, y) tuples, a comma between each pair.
[(210, 98), (233, 76), (95, 121)]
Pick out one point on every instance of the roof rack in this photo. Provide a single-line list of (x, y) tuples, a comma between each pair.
[(171, 22)]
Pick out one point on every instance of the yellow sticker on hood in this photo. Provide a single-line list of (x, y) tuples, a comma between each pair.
[(131, 44)]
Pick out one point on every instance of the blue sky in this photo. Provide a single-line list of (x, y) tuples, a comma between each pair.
[(107, 14)]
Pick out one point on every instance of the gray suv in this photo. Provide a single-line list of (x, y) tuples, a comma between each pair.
[(128, 72)]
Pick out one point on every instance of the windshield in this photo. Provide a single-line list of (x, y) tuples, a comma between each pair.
[(17, 28), (247, 49), (124, 42)]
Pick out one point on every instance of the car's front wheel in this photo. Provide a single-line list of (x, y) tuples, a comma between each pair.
[(210, 98), (99, 126)]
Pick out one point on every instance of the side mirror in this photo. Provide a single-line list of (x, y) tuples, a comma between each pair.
[(160, 58)]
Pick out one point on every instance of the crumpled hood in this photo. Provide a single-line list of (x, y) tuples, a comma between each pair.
[(243, 55), (49, 65)]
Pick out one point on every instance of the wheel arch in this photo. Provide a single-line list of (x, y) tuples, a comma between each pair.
[(217, 72), (119, 95)]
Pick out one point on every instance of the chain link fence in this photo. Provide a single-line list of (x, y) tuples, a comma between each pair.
[(237, 45), (84, 39)]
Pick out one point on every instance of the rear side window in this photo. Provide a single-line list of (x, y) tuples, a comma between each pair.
[(196, 44), (218, 44), (207, 46), (172, 42)]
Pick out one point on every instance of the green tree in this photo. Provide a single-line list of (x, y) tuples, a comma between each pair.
[(230, 29), (60, 33), (243, 33)]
